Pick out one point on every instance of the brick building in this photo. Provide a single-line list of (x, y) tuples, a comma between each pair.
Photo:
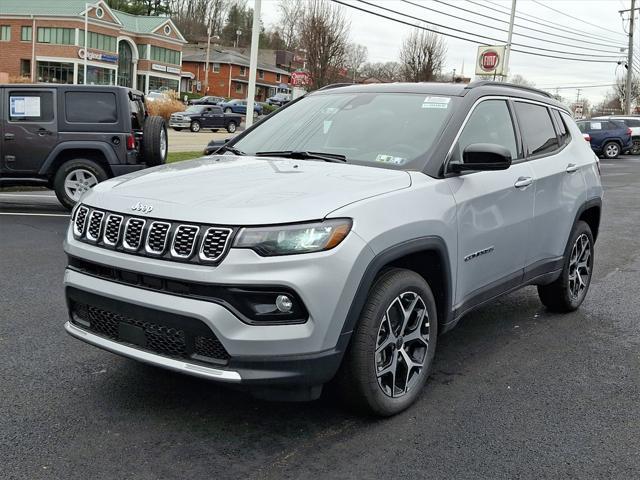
[(229, 75), (43, 41)]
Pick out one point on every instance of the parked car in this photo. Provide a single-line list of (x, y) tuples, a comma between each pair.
[(70, 137), (314, 251), (279, 99), (633, 122), (197, 117), (608, 138), (153, 96), (208, 100), (240, 106)]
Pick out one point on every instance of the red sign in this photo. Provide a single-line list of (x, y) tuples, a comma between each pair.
[(300, 78), (489, 60)]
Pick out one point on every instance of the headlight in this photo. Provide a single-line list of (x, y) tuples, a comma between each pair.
[(292, 239)]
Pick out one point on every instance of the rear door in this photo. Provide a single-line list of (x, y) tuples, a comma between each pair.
[(494, 209), (217, 117), (30, 128)]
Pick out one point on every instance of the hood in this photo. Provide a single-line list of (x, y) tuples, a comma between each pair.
[(230, 190)]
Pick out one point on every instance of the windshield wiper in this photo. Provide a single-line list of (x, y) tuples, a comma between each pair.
[(304, 155), (229, 148)]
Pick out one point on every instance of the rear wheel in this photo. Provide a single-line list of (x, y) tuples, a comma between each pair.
[(74, 178), (155, 142), (392, 348), (635, 149), (195, 126), (177, 129), (228, 110), (569, 290), (231, 127), (611, 150), (214, 130)]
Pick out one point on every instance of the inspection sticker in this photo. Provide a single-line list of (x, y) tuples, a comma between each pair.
[(390, 159), (436, 102)]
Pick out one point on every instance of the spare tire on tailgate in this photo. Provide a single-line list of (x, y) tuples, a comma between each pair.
[(154, 138)]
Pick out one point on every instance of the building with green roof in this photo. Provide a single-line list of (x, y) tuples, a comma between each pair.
[(44, 41)]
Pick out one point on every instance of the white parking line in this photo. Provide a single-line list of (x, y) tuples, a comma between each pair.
[(35, 214)]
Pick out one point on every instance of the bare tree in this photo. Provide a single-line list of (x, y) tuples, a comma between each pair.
[(356, 56), (326, 33), (385, 72), (619, 90), (422, 56), (290, 13), (518, 79), (192, 16)]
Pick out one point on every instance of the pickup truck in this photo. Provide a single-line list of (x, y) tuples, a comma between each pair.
[(197, 117)]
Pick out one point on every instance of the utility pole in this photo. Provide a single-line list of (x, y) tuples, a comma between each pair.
[(509, 36), (627, 88), (253, 62), (206, 64)]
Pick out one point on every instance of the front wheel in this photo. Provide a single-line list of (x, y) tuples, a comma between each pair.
[(611, 150), (228, 110), (74, 178), (195, 126), (569, 290), (392, 348), (231, 128)]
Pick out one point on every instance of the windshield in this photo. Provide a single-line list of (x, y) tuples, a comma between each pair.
[(194, 109), (379, 129)]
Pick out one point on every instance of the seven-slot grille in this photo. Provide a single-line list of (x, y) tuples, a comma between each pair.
[(160, 239)]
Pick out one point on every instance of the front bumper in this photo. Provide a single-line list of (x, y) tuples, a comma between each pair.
[(270, 355), (179, 123)]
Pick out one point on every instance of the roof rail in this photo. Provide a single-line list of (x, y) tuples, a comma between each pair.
[(335, 85), (492, 83)]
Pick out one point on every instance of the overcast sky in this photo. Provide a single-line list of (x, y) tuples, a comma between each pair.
[(383, 37)]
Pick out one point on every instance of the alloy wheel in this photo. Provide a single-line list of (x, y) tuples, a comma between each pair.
[(580, 266), (612, 150), (163, 143), (402, 344), (77, 182)]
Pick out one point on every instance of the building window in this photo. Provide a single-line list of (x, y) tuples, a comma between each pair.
[(99, 12), (260, 73), (165, 55), (58, 36), (98, 41), (239, 88), (243, 71), (215, 67), (161, 84), (278, 77), (167, 30), (25, 68), (5, 33), (97, 75), (25, 34), (142, 51), (141, 82), (54, 72)]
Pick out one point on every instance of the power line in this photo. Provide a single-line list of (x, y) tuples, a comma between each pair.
[(575, 18), (465, 39), (529, 28), (515, 33), (546, 22), (493, 39)]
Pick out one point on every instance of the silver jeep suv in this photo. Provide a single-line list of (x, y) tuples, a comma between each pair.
[(337, 238)]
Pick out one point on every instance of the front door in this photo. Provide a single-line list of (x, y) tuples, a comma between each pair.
[(494, 210), (30, 128)]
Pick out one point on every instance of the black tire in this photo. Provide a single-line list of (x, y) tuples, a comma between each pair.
[(559, 296), (214, 130), (231, 127), (635, 149), (155, 141), (358, 377), (611, 150), (228, 110), (177, 129), (195, 126), (67, 169)]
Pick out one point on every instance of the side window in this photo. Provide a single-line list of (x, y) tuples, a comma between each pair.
[(216, 110), (91, 107), (631, 122), (30, 106), (537, 128), (563, 131), (490, 122)]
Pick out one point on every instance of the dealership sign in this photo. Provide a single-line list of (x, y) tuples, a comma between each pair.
[(490, 60), (99, 56), (300, 78)]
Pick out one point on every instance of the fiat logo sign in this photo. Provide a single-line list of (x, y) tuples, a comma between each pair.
[(489, 60)]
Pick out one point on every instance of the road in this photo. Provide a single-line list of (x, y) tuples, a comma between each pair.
[(517, 392), (186, 141)]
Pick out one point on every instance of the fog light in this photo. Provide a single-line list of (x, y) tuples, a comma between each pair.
[(284, 303)]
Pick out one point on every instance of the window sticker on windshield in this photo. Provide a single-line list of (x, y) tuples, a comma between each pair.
[(436, 102), (596, 126), (390, 159), (25, 106)]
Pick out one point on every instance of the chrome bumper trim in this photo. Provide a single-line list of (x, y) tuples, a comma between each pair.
[(151, 358)]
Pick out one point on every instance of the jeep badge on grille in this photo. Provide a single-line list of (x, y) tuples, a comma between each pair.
[(141, 207)]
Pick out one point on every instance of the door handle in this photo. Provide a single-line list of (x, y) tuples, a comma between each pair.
[(43, 131), (572, 167), (523, 182), (9, 136)]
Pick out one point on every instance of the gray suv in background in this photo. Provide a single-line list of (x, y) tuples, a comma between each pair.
[(338, 238), (70, 137)]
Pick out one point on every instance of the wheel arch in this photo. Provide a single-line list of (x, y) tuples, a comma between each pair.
[(427, 256), (98, 152), (590, 213)]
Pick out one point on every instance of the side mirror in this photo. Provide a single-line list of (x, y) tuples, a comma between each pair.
[(483, 156)]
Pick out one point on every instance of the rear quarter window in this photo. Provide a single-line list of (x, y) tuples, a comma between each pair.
[(91, 107), (537, 128)]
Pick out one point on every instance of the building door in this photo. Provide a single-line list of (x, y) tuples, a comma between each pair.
[(125, 64)]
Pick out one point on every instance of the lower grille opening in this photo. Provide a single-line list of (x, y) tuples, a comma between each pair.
[(154, 336)]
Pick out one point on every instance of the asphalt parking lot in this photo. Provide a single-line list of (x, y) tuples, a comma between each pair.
[(516, 392)]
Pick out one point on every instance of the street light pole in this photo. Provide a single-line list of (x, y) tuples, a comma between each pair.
[(253, 62), (509, 36), (86, 38), (206, 65), (627, 88)]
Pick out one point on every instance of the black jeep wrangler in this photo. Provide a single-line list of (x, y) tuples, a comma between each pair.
[(70, 137)]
